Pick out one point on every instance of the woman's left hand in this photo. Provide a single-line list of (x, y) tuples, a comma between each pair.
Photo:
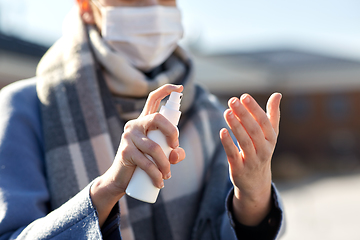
[(250, 169)]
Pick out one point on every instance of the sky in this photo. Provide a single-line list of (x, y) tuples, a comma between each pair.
[(325, 26)]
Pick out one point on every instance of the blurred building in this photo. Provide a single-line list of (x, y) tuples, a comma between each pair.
[(320, 109), (18, 59)]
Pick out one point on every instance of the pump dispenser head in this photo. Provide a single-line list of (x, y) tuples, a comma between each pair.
[(174, 100), (171, 109)]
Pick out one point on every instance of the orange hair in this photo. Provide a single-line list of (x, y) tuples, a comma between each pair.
[(84, 5)]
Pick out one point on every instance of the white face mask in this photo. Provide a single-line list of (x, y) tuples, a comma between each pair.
[(145, 36)]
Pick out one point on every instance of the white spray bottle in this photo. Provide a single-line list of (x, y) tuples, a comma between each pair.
[(140, 186)]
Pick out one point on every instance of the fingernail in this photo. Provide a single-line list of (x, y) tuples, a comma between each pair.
[(245, 98), (177, 156), (235, 102), (225, 132), (230, 114), (168, 176), (162, 185)]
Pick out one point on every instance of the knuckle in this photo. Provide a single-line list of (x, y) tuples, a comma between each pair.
[(125, 153), (148, 165), (152, 120), (264, 121), (246, 144), (273, 138), (157, 117), (154, 147), (128, 125), (164, 165), (242, 113), (254, 131), (173, 131), (232, 155), (126, 135)]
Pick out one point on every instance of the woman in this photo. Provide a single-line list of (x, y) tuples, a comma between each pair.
[(64, 167)]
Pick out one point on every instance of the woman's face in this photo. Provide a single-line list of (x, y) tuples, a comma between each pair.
[(93, 15)]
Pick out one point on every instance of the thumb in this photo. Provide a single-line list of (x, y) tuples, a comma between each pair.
[(273, 110)]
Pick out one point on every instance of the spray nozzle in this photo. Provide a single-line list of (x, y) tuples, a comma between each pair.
[(174, 100)]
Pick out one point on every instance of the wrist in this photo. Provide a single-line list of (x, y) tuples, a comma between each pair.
[(251, 208), (103, 198), (104, 192), (255, 194)]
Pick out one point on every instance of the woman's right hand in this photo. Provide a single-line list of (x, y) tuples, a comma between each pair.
[(110, 187)]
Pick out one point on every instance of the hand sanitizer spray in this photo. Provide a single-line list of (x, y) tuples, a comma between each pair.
[(140, 186)]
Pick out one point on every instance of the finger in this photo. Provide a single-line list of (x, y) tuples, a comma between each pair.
[(259, 115), (245, 142), (273, 110), (157, 121), (232, 152), (132, 157), (150, 168), (152, 149), (177, 155), (248, 122), (153, 101)]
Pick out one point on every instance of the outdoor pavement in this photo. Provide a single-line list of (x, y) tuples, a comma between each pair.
[(322, 207)]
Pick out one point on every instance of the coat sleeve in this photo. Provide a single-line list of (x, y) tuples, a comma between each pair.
[(272, 227), (24, 197)]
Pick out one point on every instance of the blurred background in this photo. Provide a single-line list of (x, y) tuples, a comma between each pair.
[(307, 50)]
